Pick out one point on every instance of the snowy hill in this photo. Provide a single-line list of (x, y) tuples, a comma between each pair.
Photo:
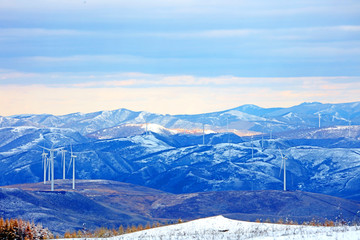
[(220, 227)]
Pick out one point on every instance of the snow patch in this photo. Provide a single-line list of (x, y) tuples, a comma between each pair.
[(220, 227), (156, 128), (244, 116)]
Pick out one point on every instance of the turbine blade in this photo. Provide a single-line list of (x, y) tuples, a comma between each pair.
[(71, 158)]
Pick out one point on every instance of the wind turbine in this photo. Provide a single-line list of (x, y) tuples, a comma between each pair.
[(72, 161), (51, 163), (63, 151), (319, 118), (268, 126), (44, 163), (48, 165), (283, 163), (146, 124)]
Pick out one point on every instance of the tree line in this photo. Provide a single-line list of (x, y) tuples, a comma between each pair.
[(106, 232), (11, 229)]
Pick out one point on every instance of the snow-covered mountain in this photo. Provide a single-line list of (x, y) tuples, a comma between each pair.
[(170, 153), (180, 163), (247, 117)]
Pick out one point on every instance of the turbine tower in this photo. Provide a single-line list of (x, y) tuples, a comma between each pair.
[(44, 163), (283, 163), (52, 169), (146, 125), (319, 119), (72, 161), (48, 165), (268, 126), (63, 151)]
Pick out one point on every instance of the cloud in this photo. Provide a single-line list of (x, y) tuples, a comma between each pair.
[(84, 58), (40, 32), (12, 75), (215, 33), (174, 94), (278, 33), (42, 99), (210, 33), (188, 6), (145, 80), (199, 54)]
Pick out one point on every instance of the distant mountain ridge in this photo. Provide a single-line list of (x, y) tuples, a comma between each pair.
[(170, 153), (246, 117)]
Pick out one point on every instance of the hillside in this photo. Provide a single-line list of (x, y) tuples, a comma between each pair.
[(63, 210), (107, 203)]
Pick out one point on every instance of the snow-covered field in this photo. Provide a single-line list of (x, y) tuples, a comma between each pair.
[(220, 227)]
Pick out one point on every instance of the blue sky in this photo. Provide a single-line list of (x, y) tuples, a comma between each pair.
[(176, 56)]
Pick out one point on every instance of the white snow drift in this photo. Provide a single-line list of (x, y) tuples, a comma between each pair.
[(220, 227)]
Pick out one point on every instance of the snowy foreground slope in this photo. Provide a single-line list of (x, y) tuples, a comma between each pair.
[(222, 228)]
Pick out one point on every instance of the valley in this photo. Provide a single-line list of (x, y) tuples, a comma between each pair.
[(104, 203)]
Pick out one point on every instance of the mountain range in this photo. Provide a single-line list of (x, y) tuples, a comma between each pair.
[(169, 152), (246, 117), (186, 160)]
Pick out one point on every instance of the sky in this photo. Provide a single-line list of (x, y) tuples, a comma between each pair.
[(176, 57)]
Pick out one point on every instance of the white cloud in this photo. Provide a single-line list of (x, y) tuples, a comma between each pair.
[(145, 80), (325, 33), (156, 9), (172, 94), (293, 34), (39, 32), (216, 33), (85, 58)]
